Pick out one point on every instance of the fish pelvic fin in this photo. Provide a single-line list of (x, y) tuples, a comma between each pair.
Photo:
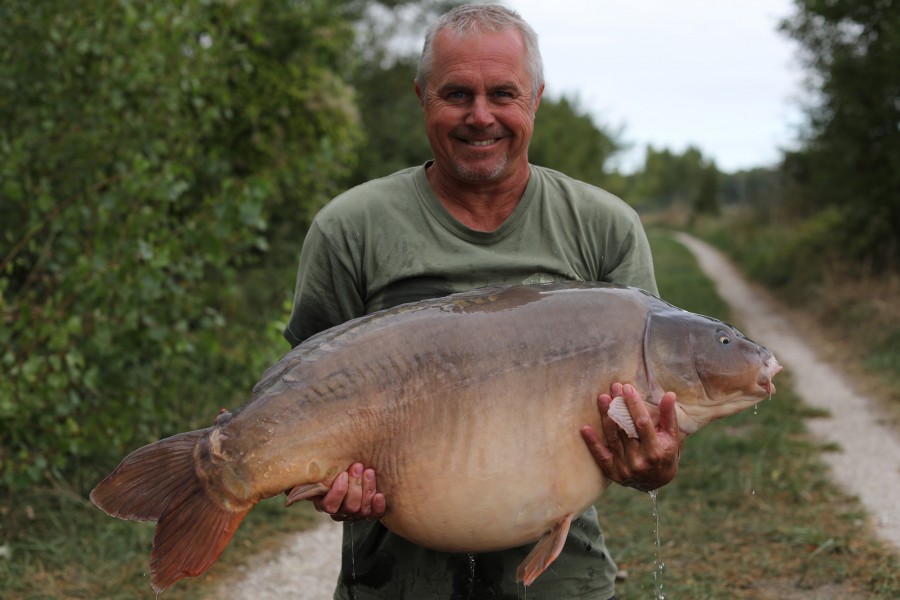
[(544, 552), (306, 492), (159, 483)]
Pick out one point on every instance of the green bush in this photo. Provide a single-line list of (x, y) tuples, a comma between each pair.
[(150, 154)]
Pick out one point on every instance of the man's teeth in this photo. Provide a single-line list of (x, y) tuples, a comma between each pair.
[(482, 143)]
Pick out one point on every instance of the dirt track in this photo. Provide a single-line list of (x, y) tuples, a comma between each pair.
[(868, 465)]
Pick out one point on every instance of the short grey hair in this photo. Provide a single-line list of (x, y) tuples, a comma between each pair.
[(483, 18)]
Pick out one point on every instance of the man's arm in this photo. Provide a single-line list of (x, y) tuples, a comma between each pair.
[(651, 460), (323, 275)]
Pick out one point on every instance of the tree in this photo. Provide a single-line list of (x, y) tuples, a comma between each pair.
[(392, 120), (849, 166), (706, 202), (150, 153), (669, 178), (569, 140)]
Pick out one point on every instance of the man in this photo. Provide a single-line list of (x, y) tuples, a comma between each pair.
[(477, 214)]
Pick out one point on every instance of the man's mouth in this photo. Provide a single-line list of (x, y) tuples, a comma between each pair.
[(483, 142)]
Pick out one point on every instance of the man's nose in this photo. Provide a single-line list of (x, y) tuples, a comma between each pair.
[(480, 114)]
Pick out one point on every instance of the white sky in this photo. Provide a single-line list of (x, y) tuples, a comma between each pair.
[(715, 74)]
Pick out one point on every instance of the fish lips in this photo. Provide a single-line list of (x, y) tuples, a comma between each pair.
[(771, 367)]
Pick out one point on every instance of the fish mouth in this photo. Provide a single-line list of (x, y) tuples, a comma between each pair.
[(770, 369)]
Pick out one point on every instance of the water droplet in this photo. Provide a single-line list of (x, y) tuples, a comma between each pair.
[(352, 554), (660, 565)]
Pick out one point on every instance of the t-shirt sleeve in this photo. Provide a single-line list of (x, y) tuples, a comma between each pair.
[(327, 292), (634, 266)]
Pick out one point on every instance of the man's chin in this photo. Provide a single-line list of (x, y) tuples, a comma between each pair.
[(480, 172)]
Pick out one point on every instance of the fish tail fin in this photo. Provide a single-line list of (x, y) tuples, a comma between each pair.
[(159, 483), (189, 537)]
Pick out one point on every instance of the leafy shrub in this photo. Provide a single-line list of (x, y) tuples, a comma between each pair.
[(150, 155)]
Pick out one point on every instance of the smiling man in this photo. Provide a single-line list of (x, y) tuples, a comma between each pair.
[(477, 214), (479, 101)]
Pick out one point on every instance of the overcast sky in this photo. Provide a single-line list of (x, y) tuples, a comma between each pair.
[(710, 73)]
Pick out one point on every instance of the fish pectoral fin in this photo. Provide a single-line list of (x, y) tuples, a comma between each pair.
[(305, 492), (544, 552), (621, 416)]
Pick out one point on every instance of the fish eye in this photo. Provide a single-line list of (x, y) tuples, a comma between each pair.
[(724, 338)]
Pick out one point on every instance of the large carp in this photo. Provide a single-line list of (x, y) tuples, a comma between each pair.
[(491, 385)]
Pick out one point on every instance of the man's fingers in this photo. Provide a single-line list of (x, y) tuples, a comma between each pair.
[(668, 416), (616, 389), (379, 505), (598, 450), (353, 500), (368, 493), (643, 423), (610, 428), (331, 502)]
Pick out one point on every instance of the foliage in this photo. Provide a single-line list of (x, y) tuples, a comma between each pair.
[(568, 139), (668, 178), (759, 188), (145, 149), (706, 200), (850, 160), (389, 42), (392, 121)]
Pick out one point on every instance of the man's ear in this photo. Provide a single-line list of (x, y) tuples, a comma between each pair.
[(537, 100), (420, 94)]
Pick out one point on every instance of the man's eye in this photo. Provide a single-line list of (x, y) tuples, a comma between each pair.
[(456, 95)]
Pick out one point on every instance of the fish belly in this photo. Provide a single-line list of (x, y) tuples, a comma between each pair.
[(496, 467)]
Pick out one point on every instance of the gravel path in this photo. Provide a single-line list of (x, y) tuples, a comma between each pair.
[(868, 465), (305, 567)]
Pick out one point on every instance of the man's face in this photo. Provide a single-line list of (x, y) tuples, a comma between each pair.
[(479, 106)]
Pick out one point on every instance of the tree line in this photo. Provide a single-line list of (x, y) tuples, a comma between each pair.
[(160, 163)]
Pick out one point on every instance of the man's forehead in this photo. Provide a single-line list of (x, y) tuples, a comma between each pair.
[(499, 57), (489, 43)]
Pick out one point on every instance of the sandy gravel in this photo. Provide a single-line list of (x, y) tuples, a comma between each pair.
[(306, 567), (868, 465)]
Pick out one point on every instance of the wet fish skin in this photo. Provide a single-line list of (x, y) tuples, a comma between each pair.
[(491, 385)]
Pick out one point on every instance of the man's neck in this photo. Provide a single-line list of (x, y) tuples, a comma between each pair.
[(481, 207)]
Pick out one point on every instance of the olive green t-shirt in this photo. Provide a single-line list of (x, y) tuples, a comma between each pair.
[(391, 241)]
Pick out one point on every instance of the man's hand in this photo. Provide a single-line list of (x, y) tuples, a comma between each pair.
[(353, 496), (647, 462)]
